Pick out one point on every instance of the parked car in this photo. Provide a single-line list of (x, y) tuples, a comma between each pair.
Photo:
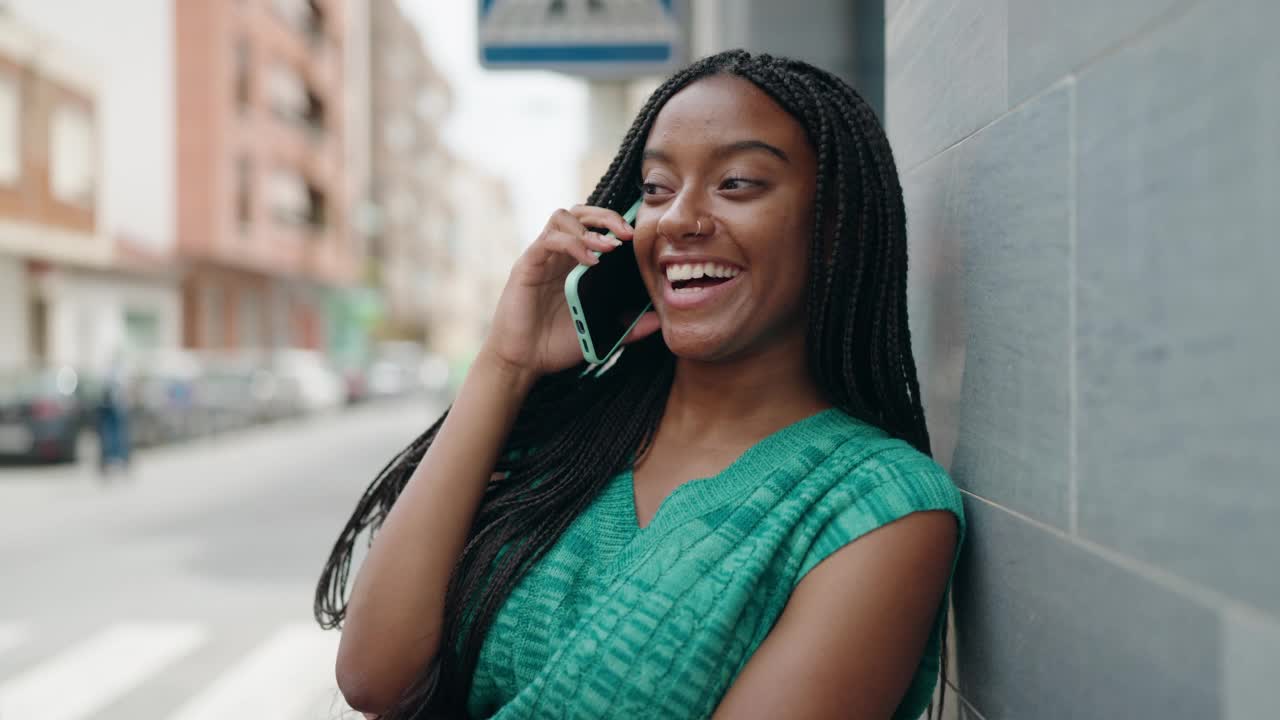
[(307, 381), (41, 415), (404, 367), (355, 379)]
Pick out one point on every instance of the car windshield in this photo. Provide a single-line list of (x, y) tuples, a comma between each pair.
[(23, 385)]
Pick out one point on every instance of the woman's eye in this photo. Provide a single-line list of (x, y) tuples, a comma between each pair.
[(735, 183), (648, 188)]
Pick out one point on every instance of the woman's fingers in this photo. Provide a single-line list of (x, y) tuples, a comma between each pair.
[(598, 217), (575, 246), (603, 243), (567, 233)]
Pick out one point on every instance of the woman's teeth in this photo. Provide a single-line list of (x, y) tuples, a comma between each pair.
[(695, 271)]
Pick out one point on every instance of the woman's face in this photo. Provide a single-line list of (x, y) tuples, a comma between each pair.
[(723, 155)]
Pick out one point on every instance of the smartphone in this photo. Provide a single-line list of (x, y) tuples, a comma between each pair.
[(606, 300)]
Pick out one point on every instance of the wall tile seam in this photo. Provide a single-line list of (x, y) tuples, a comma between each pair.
[(972, 708), (1251, 616), (1207, 597), (1054, 87), (899, 71), (954, 691), (889, 18), (1152, 25), (1073, 394)]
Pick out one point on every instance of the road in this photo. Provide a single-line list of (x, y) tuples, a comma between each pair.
[(183, 592)]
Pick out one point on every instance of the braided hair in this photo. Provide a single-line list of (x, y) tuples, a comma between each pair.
[(576, 430)]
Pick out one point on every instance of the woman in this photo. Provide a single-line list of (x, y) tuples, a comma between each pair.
[(740, 516)]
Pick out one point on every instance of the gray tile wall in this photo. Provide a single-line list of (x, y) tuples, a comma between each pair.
[(945, 60), (1093, 206)]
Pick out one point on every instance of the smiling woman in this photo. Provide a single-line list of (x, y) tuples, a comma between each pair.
[(740, 516)]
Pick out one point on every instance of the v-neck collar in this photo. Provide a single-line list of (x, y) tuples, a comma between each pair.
[(701, 494)]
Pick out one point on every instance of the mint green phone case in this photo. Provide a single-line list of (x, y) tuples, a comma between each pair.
[(589, 351)]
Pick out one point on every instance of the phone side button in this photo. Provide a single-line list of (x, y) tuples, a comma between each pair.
[(581, 329)]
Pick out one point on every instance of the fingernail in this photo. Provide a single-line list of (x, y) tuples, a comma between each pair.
[(614, 241)]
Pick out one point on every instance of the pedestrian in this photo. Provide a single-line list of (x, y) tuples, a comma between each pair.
[(114, 441), (740, 516)]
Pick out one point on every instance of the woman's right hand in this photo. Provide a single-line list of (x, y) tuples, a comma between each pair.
[(532, 331)]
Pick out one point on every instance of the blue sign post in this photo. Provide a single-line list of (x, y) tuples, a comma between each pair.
[(596, 38)]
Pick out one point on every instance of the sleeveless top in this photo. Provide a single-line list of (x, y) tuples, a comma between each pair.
[(620, 621)]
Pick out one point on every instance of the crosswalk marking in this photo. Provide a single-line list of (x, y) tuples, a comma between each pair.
[(11, 636), (279, 679), (87, 677)]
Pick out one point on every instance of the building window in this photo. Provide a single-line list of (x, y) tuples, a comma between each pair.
[(249, 320), (71, 152), (211, 320), (141, 329), (314, 23), (314, 116), (287, 195), (317, 208), (294, 201), (244, 70), (10, 130), (306, 16), (286, 92), (244, 193), (292, 100)]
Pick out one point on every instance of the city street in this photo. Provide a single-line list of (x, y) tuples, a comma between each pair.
[(184, 591)]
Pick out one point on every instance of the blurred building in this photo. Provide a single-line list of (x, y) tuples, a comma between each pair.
[(445, 234), (263, 199), (73, 288), (409, 171), (479, 244)]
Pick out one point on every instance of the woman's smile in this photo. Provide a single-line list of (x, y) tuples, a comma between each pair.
[(697, 282)]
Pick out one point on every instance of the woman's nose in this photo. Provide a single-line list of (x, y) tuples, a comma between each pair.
[(684, 220)]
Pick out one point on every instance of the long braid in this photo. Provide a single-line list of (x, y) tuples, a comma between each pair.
[(574, 431), (901, 359), (371, 510)]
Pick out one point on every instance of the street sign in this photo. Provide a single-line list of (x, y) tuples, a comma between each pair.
[(598, 38)]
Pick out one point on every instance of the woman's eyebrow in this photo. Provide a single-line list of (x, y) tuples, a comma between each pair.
[(745, 145), (724, 150)]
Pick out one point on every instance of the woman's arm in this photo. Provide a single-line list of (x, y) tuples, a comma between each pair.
[(393, 622), (851, 636), (394, 618)]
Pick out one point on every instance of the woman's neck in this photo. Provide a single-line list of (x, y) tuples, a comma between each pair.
[(752, 395)]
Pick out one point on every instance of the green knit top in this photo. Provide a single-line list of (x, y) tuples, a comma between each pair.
[(619, 621)]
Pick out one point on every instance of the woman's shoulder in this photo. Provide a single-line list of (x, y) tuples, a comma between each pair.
[(866, 483), (875, 465)]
